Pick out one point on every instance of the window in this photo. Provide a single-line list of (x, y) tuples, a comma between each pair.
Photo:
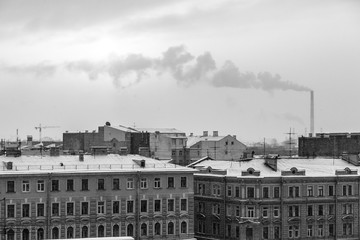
[(116, 184), (143, 206), (237, 211), (130, 206), (54, 185), (310, 230), (331, 230), (276, 212), (10, 234), (143, 229), (294, 191), (84, 232), (310, 210), (26, 234), (69, 185), (55, 209), (331, 209), (201, 227), (265, 192), (347, 208), (347, 229), (237, 191), (216, 208), (276, 232), (40, 209), (293, 231), (157, 183), (347, 190), (310, 191), (84, 208), (229, 191), (250, 212), (320, 191), (25, 186), (216, 190), (183, 204), (171, 182), (183, 227), (183, 182), (320, 231), (70, 208), (228, 210), (130, 230), (265, 233), (157, 205), (10, 186), (216, 228), (228, 230), (84, 184), (173, 152), (101, 207), (26, 210), (201, 206), (55, 233), (157, 229), (143, 183), (331, 190), (116, 207), (171, 205), (116, 231), (276, 192), (40, 234), (101, 184), (321, 210), (180, 152), (237, 232), (130, 183), (293, 211), (40, 186), (171, 228), (265, 212), (70, 232), (250, 192), (10, 211)]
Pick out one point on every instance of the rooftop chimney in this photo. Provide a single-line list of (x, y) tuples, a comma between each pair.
[(205, 133), (312, 113), (215, 133)]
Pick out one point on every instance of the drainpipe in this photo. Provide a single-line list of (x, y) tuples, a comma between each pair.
[(282, 191), (48, 208), (4, 219), (336, 206), (225, 209), (137, 202)]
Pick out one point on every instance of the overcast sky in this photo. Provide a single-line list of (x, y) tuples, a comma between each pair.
[(242, 67)]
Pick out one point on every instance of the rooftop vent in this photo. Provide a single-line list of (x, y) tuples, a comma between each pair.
[(205, 133)]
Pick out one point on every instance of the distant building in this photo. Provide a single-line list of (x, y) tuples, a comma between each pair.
[(276, 199), (95, 196), (329, 144), (215, 146)]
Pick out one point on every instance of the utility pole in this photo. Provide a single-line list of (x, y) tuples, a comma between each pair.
[(290, 141)]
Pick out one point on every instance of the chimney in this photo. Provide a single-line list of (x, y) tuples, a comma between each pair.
[(234, 136), (81, 156), (191, 134), (205, 133), (215, 133), (312, 113)]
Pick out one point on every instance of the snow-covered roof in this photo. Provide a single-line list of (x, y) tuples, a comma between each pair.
[(98, 163), (318, 167), (161, 130)]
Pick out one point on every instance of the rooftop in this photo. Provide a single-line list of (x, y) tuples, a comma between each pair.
[(318, 167), (98, 163), (161, 130)]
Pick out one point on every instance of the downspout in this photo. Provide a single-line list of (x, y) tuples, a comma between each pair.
[(137, 202), (282, 191), (336, 206), (4, 219), (225, 209), (48, 209)]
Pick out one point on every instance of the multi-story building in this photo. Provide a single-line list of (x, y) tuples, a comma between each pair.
[(277, 199), (95, 196), (215, 146)]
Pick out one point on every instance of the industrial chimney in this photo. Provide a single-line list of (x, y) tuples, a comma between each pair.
[(312, 133)]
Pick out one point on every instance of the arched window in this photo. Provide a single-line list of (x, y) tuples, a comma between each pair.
[(143, 229), (101, 231), (25, 234), (130, 230), (10, 234), (183, 227), (116, 230), (157, 229), (70, 232), (170, 228), (84, 232), (40, 234), (55, 233)]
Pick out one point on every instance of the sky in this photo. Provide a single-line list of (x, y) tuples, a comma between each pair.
[(240, 67)]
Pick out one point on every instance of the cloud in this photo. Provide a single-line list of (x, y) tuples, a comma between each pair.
[(42, 69)]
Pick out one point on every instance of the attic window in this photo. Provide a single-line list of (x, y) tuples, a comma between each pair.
[(347, 170), (294, 170), (251, 171)]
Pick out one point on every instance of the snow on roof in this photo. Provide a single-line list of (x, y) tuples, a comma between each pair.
[(317, 167), (195, 139), (98, 163), (161, 130)]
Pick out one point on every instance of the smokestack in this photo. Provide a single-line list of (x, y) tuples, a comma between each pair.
[(312, 113)]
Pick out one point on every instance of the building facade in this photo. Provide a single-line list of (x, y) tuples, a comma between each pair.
[(278, 199), (95, 196)]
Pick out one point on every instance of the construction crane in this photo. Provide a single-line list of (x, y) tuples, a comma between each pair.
[(40, 128)]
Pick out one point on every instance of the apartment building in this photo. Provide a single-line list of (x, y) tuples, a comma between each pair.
[(95, 196), (277, 199)]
